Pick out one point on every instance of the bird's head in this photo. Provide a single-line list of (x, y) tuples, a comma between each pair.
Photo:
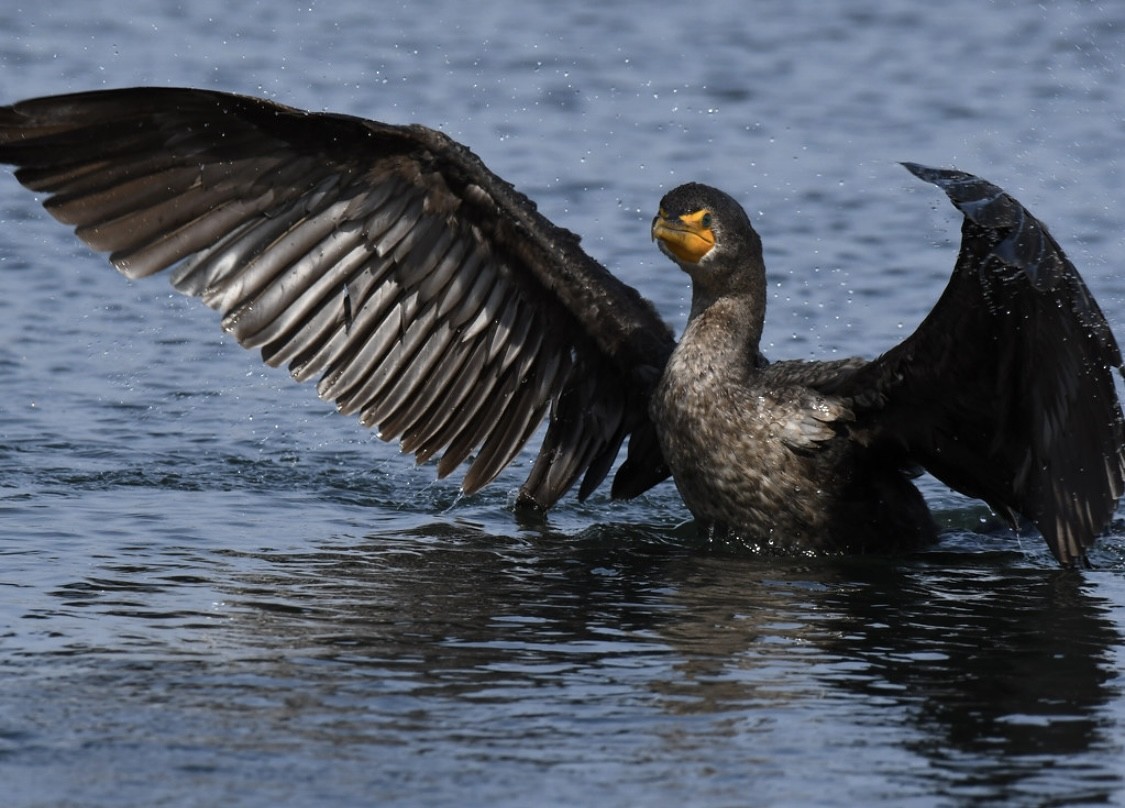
[(708, 234)]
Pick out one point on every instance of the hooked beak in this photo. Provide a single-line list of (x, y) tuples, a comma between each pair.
[(683, 237)]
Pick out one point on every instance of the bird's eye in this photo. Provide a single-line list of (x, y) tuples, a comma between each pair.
[(706, 220)]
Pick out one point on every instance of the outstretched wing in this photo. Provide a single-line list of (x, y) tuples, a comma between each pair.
[(428, 296), (1006, 391)]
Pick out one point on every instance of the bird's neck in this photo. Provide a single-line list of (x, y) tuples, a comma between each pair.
[(728, 328)]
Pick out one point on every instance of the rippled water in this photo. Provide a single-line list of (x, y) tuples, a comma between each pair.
[(215, 591)]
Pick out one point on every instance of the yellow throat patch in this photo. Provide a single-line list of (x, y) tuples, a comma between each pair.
[(688, 237)]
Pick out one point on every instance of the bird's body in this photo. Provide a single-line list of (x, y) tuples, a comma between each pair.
[(434, 301), (766, 454), (764, 460)]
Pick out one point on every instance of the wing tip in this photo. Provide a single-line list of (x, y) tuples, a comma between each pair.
[(962, 188)]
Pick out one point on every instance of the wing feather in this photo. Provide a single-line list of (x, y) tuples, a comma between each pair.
[(428, 296), (1006, 391)]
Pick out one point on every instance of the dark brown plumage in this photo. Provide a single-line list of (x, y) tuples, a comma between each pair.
[(426, 294), (431, 299), (1005, 392)]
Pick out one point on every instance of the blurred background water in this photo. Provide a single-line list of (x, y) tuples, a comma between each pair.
[(215, 591)]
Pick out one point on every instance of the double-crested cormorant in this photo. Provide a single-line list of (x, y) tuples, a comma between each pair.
[(435, 302)]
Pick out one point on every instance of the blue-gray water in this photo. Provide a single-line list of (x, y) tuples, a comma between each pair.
[(214, 591)]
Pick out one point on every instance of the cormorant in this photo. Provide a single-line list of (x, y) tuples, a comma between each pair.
[(432, 300)]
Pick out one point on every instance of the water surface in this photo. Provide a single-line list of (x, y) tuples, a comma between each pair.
[(215, 591)]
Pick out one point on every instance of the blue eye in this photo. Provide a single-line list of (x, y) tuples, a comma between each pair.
[(706, 220)]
